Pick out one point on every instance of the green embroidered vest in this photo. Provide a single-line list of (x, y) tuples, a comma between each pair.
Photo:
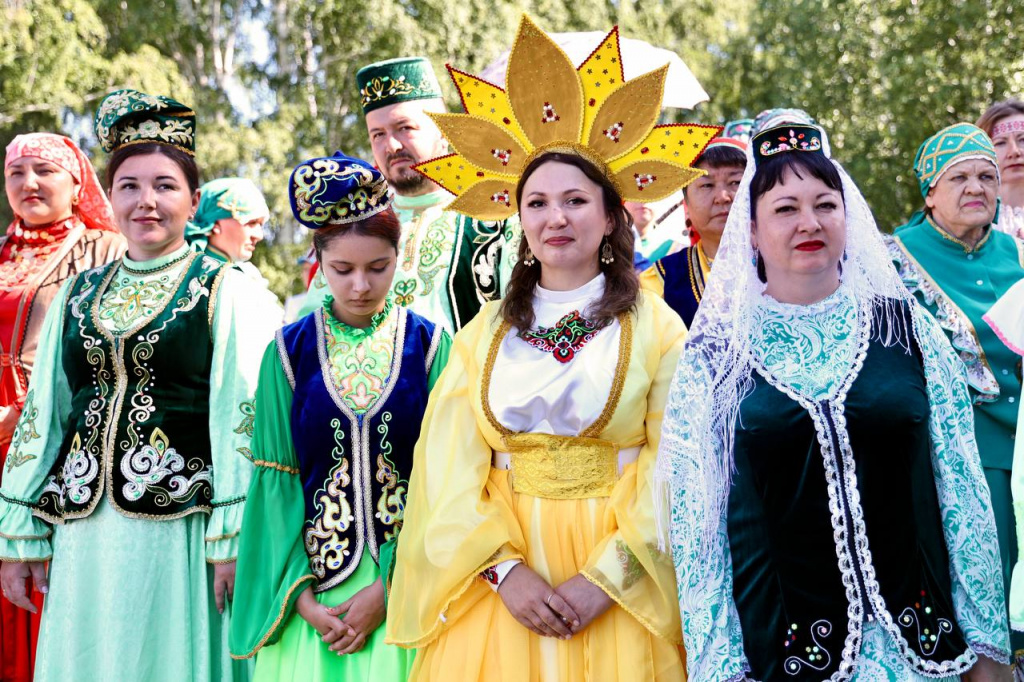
[(139, 400)]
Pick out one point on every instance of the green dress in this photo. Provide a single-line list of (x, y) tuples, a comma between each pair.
[(131, 596), (958, 284), (448, 264), (274, 567)]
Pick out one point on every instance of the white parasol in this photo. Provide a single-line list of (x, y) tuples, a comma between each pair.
[(638, 57)]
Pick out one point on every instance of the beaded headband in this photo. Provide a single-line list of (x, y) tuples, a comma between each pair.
[(1015, 126)]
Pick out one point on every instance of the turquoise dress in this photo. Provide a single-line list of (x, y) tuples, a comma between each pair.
[(818, 569), (130, 594), (338, 411)]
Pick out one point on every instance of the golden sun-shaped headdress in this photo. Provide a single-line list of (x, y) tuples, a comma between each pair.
[(549, 105)]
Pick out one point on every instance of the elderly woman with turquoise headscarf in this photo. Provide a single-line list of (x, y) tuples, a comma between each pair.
[(229, 221), (955, 263)]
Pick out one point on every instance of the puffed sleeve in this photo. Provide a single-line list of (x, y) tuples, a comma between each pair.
[(389, 548), (245, 318), (36, 444), (964, 500), (456, 522), (273, 568), (629, 564)]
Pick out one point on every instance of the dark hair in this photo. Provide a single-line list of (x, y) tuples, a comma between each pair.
[(997, 112), (185, 161), (622, 286), (771, 170), (720, 157), (383, 225)]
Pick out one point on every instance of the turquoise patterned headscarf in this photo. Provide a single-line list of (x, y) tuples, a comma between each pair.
[(949, 146), (237, 198)]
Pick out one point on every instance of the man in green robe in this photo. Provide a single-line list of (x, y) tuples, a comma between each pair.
[(958, 266), (448, 264)]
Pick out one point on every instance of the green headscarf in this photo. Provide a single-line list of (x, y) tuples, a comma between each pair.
[(949, 146), (940, 152), (237, 198)]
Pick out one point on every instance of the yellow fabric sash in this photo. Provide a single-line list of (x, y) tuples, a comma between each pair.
[(562, 467)]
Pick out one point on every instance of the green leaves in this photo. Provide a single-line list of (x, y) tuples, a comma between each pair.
[(273, 81)]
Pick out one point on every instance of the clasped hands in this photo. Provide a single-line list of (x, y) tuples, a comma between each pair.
[(346, 627), (561, 612)]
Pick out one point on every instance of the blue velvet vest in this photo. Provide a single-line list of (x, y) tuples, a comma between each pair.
[(684, 282), (354, 468), (139, 404)]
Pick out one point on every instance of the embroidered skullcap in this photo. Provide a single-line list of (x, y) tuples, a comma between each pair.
[(92, 206), (237, 198), (336, 190), (772, 119), (739, 129), (132, 117), (397, 80), (948, 147)]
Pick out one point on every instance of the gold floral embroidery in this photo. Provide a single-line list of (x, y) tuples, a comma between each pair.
[(24, 433), (325, 544), (391, 504), (245, 427), (632, 570), (129, 300)]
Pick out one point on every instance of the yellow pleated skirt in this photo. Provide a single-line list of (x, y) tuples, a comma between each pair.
[(486, 644)]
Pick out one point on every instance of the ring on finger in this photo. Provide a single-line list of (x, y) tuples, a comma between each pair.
[(548, 599)]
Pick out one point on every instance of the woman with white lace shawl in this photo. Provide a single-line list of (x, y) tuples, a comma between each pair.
[(829, 515)]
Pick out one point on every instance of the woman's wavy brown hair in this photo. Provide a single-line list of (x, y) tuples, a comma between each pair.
[(621, 283)]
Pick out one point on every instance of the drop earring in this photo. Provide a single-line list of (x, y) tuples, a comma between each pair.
[(607, 256), (528, 259)]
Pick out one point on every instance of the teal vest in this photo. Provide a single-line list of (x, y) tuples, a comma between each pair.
[(139, 404)]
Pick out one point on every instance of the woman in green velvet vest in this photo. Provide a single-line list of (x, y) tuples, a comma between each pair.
[(829, 514), (958, 265), (131, 470)]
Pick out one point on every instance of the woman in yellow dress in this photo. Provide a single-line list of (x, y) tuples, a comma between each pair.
[(529, 550)]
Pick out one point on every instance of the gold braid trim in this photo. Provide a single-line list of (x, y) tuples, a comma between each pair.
[(485, 387), (621, 368), (435, 629), (275, 465), (226, 536), (280, 617), (640, 619)]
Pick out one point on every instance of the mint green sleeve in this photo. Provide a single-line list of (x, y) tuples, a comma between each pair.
[(245, 318), (36, 444), (964, 500), (273, 568)]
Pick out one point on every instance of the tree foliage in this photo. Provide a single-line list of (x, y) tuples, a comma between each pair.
[(273, 80)]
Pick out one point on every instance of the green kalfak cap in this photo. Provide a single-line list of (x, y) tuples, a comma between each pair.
[(397, 80)]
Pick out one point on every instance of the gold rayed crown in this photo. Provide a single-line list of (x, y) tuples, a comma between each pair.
[(548, 105)]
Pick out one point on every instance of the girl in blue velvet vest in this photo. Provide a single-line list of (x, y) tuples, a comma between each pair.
[(341, 396)]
